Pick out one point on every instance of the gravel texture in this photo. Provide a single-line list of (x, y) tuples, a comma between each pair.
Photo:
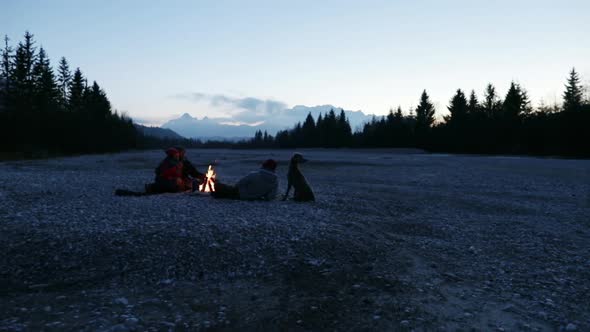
[(398, 240)]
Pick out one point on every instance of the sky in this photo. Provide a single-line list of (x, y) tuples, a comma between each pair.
[(360, 55)]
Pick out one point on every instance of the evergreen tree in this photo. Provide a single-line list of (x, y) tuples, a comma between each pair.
[(345, 131), (96, 103), (44, 80), (492, 103), (64, 77), (390, 117), (6, 66), (22, 77), (572, 97), (473, 106), (398, 114), (424, 114), (330, 129), (309, 131), (516, 102), (458, 108), (76, 92)]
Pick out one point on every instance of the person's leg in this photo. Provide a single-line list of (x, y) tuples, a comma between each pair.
[(225, 191), (169, 186)]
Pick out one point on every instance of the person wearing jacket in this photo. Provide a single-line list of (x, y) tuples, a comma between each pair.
[(191, 177), (168, 174), (262, 184)]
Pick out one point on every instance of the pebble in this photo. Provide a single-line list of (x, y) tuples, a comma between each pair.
[(131, 321), (118, 328), (571, 327), (405, 323), (121, 300)]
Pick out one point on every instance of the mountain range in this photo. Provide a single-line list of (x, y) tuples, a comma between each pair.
[(157, 132), (221, 128)]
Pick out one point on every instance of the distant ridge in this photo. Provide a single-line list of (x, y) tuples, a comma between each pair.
[(209, 128), (158, 132)]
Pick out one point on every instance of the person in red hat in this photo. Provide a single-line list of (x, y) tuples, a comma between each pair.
[(190, 175), (262, 184), (171, 175)]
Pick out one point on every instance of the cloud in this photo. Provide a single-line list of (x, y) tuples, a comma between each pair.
[(240, 110)]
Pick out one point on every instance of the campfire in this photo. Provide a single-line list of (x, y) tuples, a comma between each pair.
[(209, 184)]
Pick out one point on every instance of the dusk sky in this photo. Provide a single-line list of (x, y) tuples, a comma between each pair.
[(359, 55)]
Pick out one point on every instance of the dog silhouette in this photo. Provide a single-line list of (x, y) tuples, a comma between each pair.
[(295, 179)]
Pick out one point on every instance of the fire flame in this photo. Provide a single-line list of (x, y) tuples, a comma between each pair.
[(209, 184)]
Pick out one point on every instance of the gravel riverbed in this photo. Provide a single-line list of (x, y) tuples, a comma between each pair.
[(397, 240)]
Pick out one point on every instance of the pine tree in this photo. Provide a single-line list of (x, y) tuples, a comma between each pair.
[(572, 97), (345, 131), (64, 77), (492, 103), (309, 131), (76, 92), (6, 66), (516, 102), (319, 132), (458, 108), (424, 113), (330, 129), (390, 117), (473, 106), (22, 78), (96, 103), (46, 92), (398, 114)]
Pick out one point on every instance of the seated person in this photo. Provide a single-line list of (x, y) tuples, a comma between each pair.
[(190, 175), (174, 174), (258, 185)]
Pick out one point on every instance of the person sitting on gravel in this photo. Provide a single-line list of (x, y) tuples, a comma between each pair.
[(174, 174), (262, 184), (191, 177)]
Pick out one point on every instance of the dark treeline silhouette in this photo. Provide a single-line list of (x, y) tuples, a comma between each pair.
[(47, 111), (490, 126), (328, 131), (54, 112)]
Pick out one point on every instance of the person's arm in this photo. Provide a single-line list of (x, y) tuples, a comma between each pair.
[(190, 170)]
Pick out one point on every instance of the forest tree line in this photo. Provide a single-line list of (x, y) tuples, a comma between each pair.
[(55, 111), (493, 125)]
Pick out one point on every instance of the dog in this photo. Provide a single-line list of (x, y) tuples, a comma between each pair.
[(295, 179)]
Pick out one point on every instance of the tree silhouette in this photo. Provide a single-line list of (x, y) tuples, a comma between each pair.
[(473, 106), (64, 77), (76, 92), (309, 131), (572, 97), (42, 114), (458, 109), (492, 103), (424, 119)]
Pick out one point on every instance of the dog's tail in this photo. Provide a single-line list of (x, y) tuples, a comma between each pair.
[(125, 192)]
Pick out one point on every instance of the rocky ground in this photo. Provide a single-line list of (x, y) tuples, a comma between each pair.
[(398, 240)]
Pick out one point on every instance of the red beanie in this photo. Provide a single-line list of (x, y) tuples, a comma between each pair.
[(269, 164), (171, 152)]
